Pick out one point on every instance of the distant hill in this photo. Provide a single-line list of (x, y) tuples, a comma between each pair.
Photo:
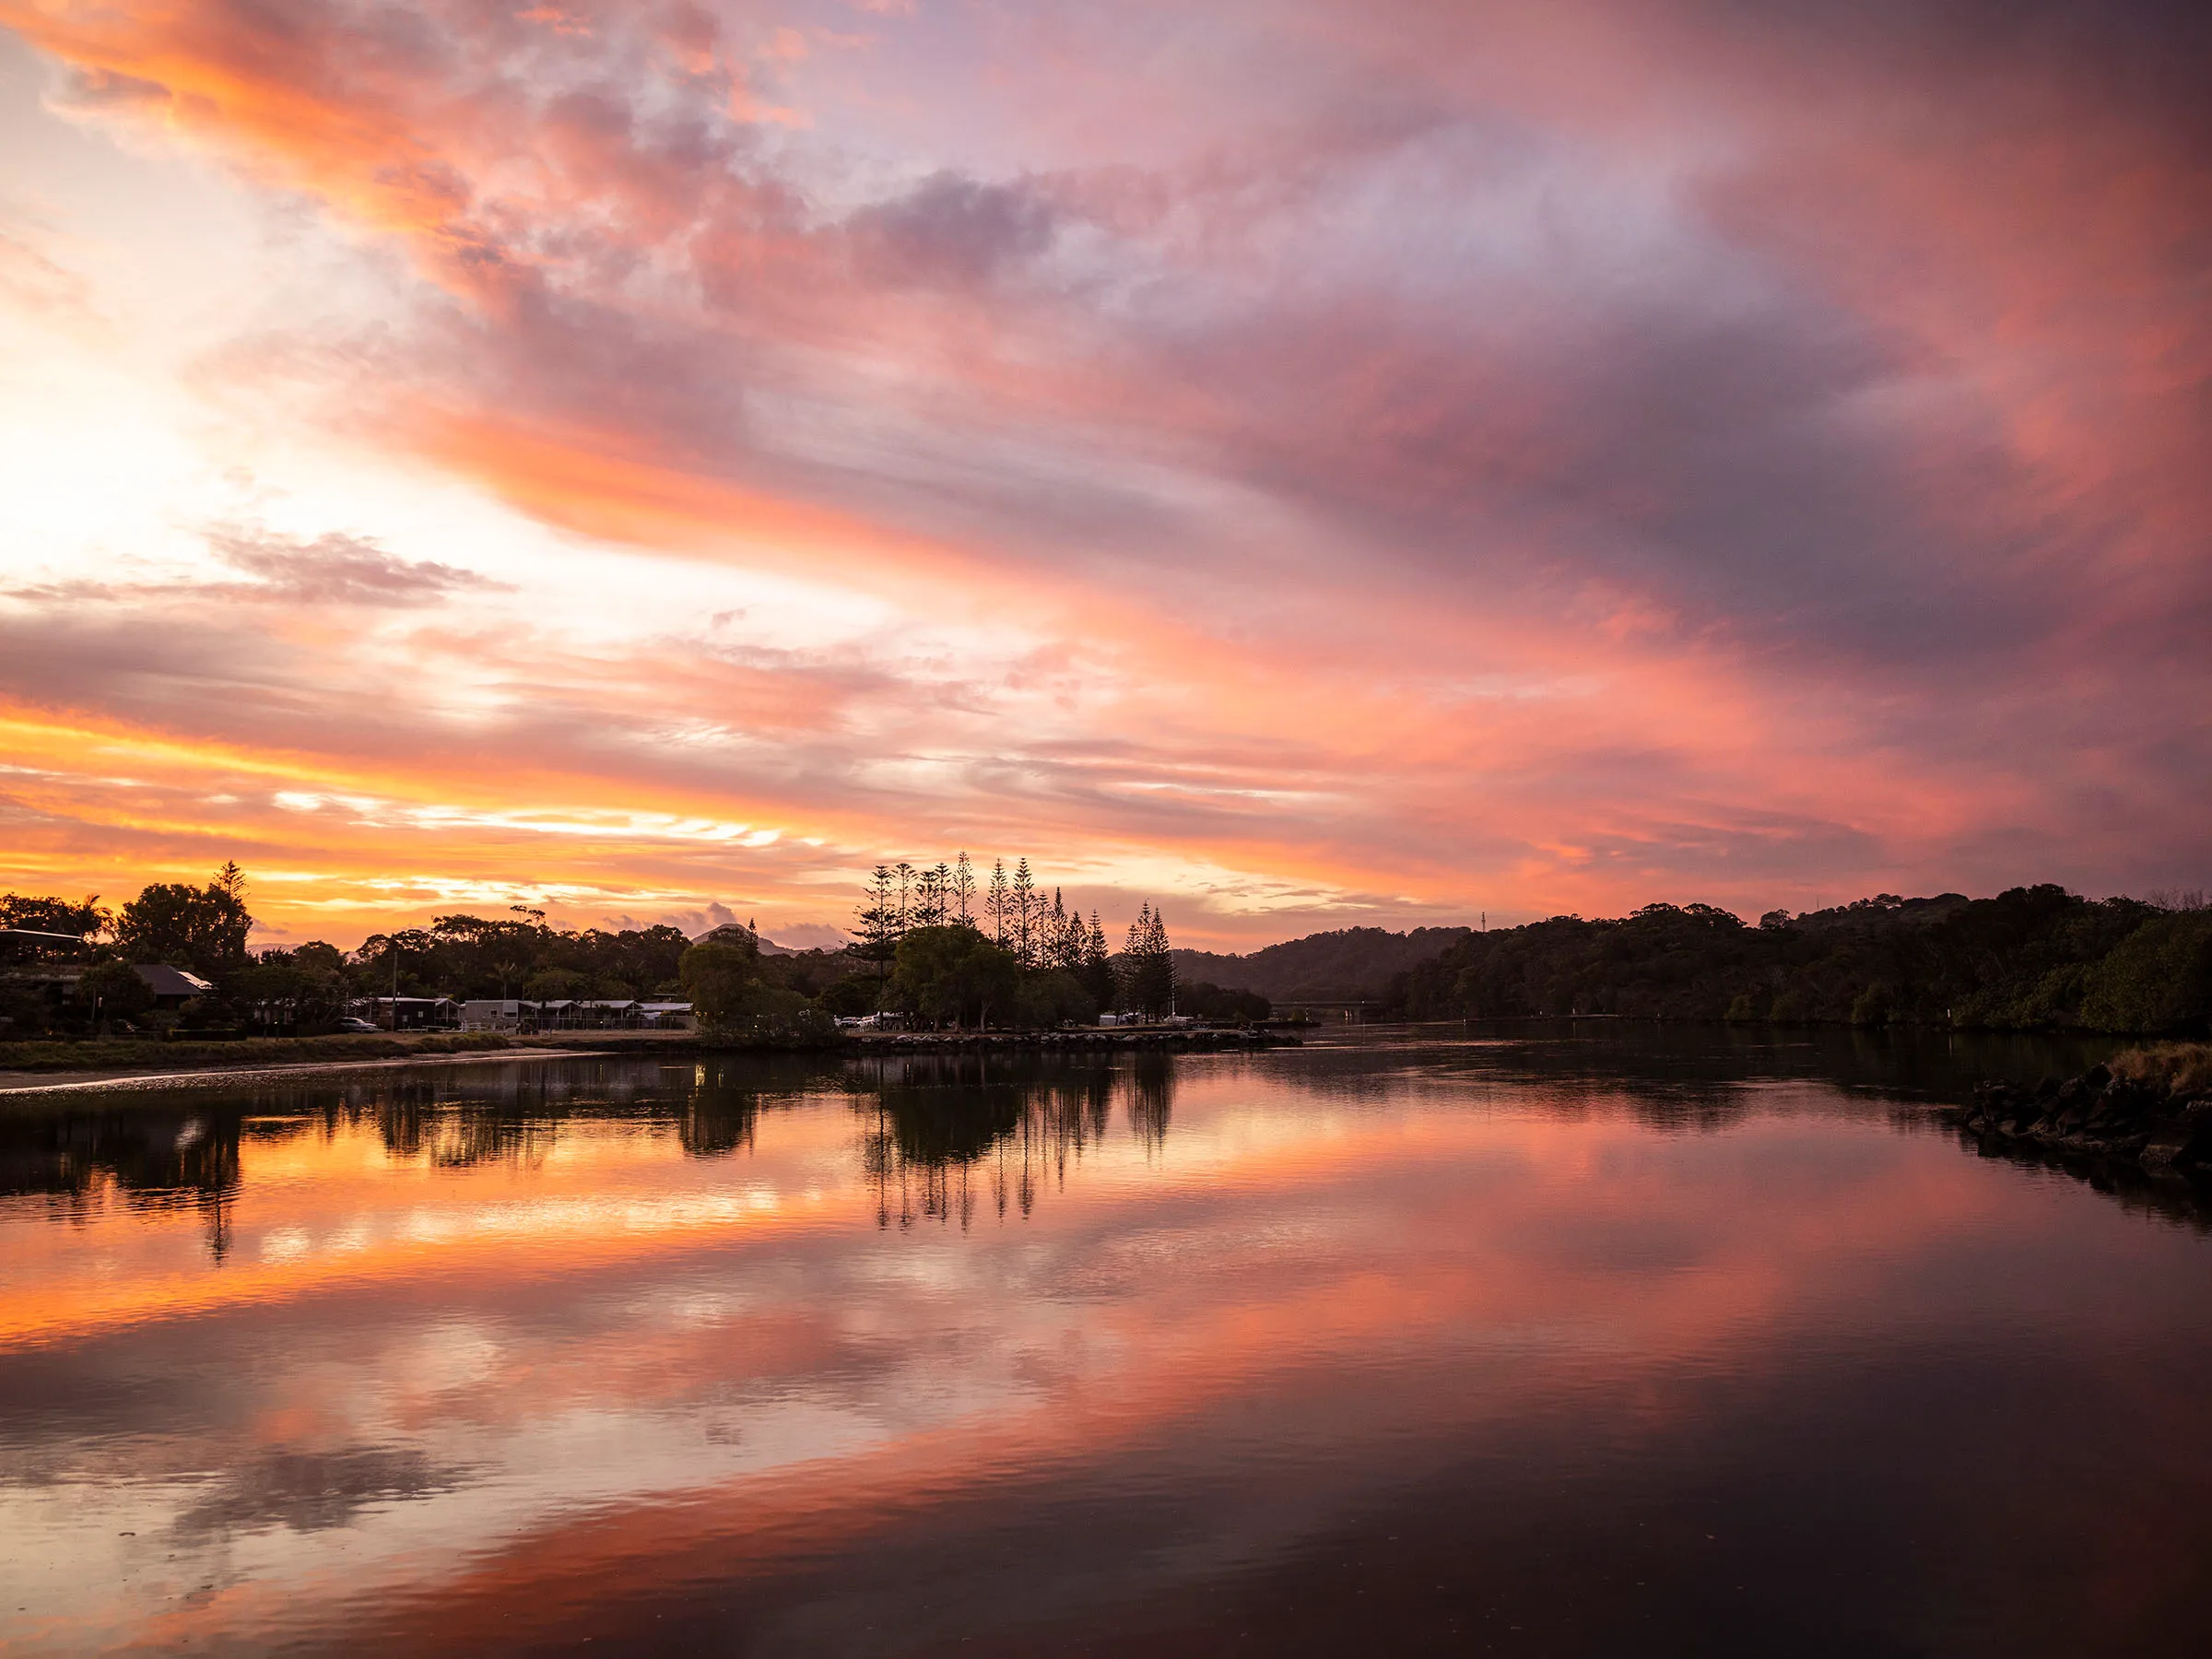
[(731, 932), (2029, 958), (1352, 963)]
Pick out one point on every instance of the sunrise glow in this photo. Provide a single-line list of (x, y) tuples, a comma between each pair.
[(1305, 464)]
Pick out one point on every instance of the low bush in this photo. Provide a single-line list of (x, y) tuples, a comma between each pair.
[(2182, 1067)]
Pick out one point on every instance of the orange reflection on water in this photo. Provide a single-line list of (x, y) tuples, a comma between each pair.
[(471, 1379)]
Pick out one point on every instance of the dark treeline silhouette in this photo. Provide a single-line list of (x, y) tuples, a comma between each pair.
[(2030, 958), (203, 931), (934, 945), (946, 949)]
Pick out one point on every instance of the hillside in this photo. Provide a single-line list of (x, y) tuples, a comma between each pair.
[(1354, 963), (2031, 958)]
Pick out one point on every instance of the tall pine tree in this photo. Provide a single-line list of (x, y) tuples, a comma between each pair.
[(963, 891), (1097, 966), (1025, 915), (1148, 966), (996, 904)]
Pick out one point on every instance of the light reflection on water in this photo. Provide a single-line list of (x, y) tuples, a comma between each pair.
[(1555, 1346)]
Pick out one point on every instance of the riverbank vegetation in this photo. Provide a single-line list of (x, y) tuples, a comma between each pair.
[(2032, 959), (946, 949), (935, 947), (941, 948), (2183, 1069)]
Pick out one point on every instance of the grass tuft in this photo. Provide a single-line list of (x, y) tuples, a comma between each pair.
[(2178, 1067)]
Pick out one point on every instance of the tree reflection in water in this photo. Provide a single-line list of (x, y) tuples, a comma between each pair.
[(942, 1129), (941, 1132), (153, 1156)]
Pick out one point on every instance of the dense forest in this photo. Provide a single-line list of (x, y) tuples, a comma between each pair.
[(1352, 963), (2029, 958)]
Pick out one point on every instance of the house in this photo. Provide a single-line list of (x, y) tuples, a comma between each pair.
[(494, 1014), (607, 1013), (410, 1013), (172, 987), (56, 982)]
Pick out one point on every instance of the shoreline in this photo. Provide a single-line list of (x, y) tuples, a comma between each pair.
[(1204, 1039), (2158, 1128), (19, 1085), (205, 1071)]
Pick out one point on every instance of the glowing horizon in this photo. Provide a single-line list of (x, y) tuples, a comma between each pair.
[(1307, 467)]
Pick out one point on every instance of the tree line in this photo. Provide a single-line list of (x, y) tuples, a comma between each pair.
[(2034, 957), (932, 944), (204, 930), (938, 945)]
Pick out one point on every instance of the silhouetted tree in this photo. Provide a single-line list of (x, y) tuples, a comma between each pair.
[(55, 915), (996, 906), (1024, 923), (963, 892), (112, 991), (1148, 965), (953, 975), (200, 928), (1098, 973)]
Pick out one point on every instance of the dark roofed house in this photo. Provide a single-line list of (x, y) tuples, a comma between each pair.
[(172, 987), (411, 1013)]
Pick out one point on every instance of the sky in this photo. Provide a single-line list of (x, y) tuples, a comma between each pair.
[(1305, 464)]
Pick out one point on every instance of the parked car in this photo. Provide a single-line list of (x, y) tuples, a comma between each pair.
[(354, 1022)]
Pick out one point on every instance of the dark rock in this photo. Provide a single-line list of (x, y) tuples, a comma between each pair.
[(2179, 1145)]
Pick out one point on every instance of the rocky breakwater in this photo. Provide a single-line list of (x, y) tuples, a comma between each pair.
[(1204, 1038), (2162, 1123)]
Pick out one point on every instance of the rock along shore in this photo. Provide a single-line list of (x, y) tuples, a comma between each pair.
[(1204, 1040), (2165, 1129)]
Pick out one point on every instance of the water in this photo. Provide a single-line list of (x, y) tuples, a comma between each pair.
[(1575, 1344)]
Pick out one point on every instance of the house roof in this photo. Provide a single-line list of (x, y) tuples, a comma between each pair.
[(164, 980)]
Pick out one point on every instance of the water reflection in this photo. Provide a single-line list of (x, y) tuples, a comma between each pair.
[(1663, 1061), (1343, 1349), (152, 1159), (946, 1132)]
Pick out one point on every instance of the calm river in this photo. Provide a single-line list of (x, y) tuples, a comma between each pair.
[(1556, 1345)]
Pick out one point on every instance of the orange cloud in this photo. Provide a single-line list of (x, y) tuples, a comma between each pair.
[(1795, 505)]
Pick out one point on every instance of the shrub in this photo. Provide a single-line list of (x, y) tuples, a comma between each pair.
[(116, 991), (2157, 979), (1049, 1000), (1872, 1005), (2183, 1067)]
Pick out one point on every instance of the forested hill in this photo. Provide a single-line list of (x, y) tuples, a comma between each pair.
[(1354, 963), (2031, 958)]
